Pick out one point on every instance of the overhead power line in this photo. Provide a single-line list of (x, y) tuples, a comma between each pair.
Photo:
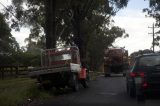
[(8, 10)]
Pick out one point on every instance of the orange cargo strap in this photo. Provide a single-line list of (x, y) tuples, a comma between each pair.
[(82, 74)]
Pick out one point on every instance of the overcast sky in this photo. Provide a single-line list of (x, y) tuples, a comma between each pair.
[(24, 32), (132, 19)]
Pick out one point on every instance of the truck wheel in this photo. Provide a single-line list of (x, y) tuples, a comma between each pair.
[(84, 83), (124, 74), (57, 87), (75, 86), (107, 75), (46, 86)]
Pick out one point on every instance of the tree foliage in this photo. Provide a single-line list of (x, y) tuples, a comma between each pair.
[(8, 44), (141, 52), (88, 16), (85, 23), (138, 53), (21, 59), (154, 12), (10, 53)]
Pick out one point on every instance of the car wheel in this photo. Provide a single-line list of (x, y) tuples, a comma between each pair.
[(140, 98), (130, 91), (107, 75)]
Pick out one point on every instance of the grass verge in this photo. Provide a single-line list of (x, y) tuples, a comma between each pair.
[(19, 91), (15, 92)]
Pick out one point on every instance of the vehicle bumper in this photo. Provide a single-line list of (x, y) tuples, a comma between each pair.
[(152, 88), (149, 89)]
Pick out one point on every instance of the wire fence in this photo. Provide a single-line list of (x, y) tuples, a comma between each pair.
[(12, 71)]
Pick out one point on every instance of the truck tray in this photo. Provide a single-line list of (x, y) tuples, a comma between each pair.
[(41, 71)]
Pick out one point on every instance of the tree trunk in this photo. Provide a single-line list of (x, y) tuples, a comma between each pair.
[(80, 43), (50, 31), (77, 31)]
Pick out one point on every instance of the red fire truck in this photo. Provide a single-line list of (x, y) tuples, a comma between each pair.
[(60, 67)]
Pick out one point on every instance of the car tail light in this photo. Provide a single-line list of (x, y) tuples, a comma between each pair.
[(141, 74), (145, 85), (133, 74)]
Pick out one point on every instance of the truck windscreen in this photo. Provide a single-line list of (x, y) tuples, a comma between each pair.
[(61, 57)]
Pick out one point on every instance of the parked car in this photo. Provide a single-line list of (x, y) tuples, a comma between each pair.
[(144, 76)]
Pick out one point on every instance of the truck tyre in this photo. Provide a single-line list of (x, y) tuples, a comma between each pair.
[(107, 72), (75, 85), (124, 74), (57, 87), (42, 83), (46, 86), (107, 75)]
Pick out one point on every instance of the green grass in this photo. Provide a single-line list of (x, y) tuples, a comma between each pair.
[(17, 91)]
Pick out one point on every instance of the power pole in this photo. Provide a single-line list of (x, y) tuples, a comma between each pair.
[(153, 34)]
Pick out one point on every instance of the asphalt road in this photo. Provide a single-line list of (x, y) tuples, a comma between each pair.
[(103, 91)]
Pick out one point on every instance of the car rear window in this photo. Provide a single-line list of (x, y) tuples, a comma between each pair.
[(149, 61)]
